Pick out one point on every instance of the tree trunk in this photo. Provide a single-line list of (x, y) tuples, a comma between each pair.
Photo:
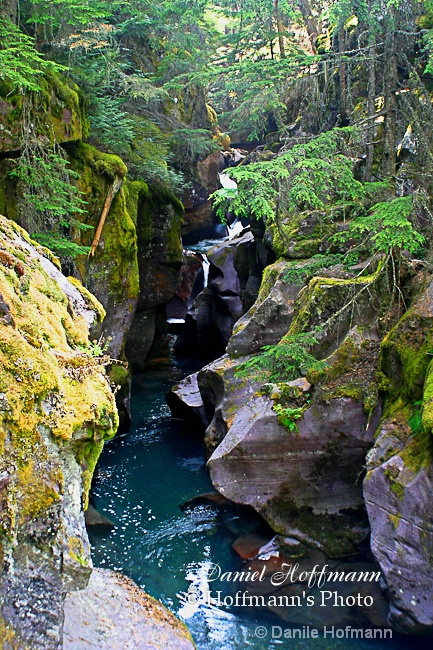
[(112, 191), (342, 73), (390, 103), (310, 22), (280, 29), (371, 110)]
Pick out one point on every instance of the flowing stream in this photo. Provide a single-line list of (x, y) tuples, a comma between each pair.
[(141, 480)]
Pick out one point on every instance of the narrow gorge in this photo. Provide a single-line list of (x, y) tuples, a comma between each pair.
[(216, 324)]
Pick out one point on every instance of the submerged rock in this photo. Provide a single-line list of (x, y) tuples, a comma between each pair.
[(56, 410), (186, 403), (115, 614), (93, 518)]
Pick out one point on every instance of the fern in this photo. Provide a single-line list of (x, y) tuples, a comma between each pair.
[(20, 64), (287, 360), (388, 227)]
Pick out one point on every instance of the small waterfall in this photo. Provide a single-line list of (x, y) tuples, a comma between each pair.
[(205, 266), (227, 182)]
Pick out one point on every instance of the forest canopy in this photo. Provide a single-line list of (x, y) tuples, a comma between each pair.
[(274, 73)]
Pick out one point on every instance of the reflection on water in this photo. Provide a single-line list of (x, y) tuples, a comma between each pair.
[(141, 480)]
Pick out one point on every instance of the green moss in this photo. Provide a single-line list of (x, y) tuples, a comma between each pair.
[(425, 21), (90, 299), (50, 391), (113, 272), (395, 520), (8, 192), (323, 298), (38, 495), (103, 163), (65, 106), (118, 375), (404, 356), (135, 193), (87, 454), (418, 453), (392, 473), (427, 402), (76, 551)]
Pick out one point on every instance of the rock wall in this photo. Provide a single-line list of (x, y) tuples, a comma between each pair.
[(112, 274), (160, 258), (296, 450), (399, 481), (56, 410)]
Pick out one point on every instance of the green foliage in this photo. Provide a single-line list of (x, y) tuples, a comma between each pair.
[(415, 421), (47, 184), (313, 267), (60, 245), (388, 227), (309, 176), (58, 17), (49, 198), (287, 360), (20, 64), (111, 127), (287, 416), (96, 348), (189, 145)]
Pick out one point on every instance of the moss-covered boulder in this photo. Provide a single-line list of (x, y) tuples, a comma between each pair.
[(112, 273), (270, 316), (56, 410), (398, 486), (57, 110)]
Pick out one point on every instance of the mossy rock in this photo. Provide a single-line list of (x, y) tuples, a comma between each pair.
[(58, 111), (56, 411), (405, 351), (112, 273)]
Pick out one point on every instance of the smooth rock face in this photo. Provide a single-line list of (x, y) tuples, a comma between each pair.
[(160, 258), (115, 614), (223, 395), (399, 501), (198, 208), (306, 484), (186, 403), (270, 316)]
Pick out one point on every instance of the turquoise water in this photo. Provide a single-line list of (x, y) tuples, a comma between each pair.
[(141, 480)]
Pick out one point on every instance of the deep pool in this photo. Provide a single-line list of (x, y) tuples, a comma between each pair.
[(141, 480)]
